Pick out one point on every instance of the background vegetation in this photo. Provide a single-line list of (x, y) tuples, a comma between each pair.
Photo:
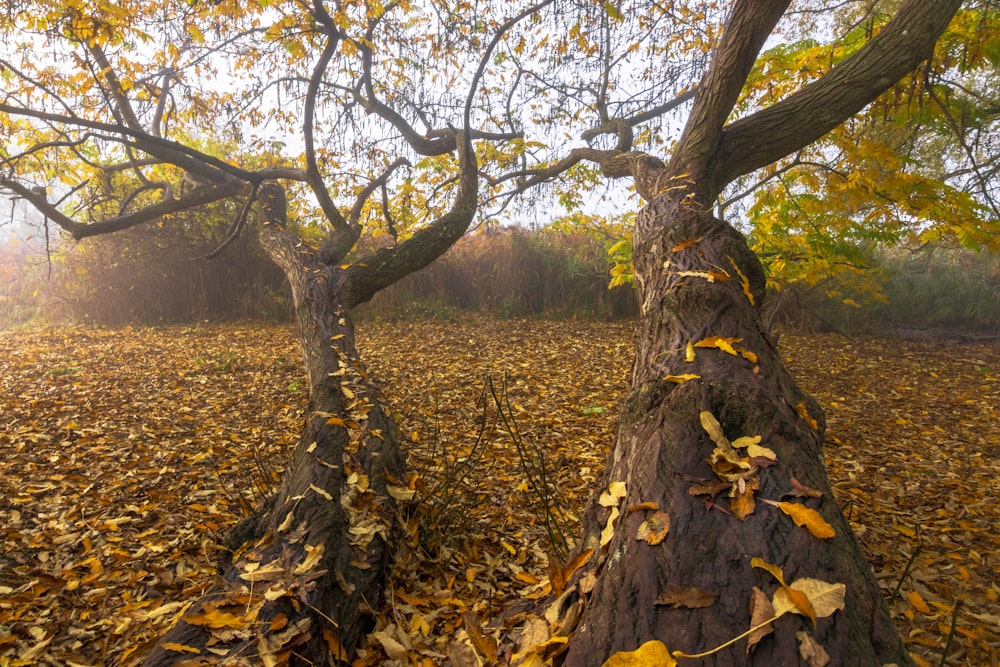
[(509, 272)]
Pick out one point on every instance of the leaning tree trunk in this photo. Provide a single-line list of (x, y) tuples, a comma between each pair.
[(306, 576), (699, 282)]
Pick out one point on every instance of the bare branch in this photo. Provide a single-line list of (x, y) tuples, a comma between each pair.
[(79, 230), (743, 36), (809, 113), (315, 178)]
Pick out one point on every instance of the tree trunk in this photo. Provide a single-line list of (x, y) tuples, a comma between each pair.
[(690, 269), (307, 575)]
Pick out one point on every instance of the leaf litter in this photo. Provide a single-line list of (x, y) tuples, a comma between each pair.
[(125, 454)]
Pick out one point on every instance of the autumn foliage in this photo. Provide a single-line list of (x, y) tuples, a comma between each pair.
[(118, 489)]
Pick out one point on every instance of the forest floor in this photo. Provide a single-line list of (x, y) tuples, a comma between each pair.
[(125, 454)]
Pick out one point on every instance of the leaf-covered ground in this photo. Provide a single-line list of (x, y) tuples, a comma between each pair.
[(125, 453)]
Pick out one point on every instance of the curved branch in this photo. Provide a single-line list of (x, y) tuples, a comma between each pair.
[(368, 276), (315, 179), (80, 230), (238, 224), (201, 164), (743, 36), (365, 193), (809, 113)]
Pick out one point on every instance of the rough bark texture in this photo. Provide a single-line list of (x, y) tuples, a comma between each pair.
[(662, 450), (307, 573)]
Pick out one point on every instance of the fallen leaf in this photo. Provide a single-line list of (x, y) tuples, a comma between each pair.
[(811, 650), (744, 282), (179, 648), (685, 244), (806, 517), (684, 596), (609, 528), (761, 611), (655, 528), (719, 342), (653, 653), (917, 602)]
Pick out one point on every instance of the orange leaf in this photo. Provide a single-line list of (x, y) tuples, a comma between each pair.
[(685, 244), (179, 648), (809, 518), (724, 344), (654, 529), (917, 602)]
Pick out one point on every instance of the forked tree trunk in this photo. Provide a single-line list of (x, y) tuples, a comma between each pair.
[(307, 575), (662, 452)]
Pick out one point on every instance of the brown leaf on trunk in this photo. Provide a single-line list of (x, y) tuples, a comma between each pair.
[(811, 650), (710, 490), (654, 529), (801, 491), (685, 596), (761, 610)]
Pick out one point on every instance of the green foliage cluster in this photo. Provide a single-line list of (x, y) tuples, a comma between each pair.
[(939, 290)]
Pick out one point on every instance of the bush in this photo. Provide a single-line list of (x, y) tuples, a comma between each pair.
[(512, 272)]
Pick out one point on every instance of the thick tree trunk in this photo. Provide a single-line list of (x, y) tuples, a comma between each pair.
[(307, 574), (690, 269)]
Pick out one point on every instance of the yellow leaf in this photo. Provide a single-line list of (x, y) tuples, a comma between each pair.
[(917, 602), (724, 344), (654, 529), (653, 653), (825, 598), (179, 648), (614, 494), (788, 599), (714, 430), (400, 492), (321, 492), (609, 528), (313, 555), (746, 441), (689, 352), (681, 379), (809, 518), (212, 618), (744, 282), (773, 569), (756, 451), (710, 276)]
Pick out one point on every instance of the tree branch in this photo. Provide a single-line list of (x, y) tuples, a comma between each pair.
[(315, 178), (743, 36), (80, 230), (817, 108), (370, 275)]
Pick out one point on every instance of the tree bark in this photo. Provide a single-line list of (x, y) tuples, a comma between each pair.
[(307, 574), (662, 453)]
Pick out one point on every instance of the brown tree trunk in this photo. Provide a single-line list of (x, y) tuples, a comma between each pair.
[(307, 575), (662, 453)]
